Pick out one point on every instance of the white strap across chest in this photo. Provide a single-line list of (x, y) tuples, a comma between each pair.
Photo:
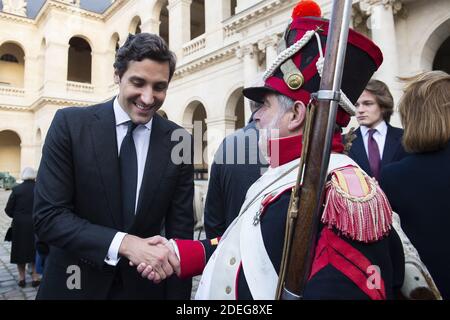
[(259, 272), (258, 269)]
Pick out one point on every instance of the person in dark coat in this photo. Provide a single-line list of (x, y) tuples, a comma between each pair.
[(237, 165), (107, 182), (418, 187), (20, 209), (377, 143)]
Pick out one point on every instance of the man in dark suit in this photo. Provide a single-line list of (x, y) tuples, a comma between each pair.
[(377, 143), (237, 165), (107, 183)]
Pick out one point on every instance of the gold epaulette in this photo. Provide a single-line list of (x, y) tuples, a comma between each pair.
[(356, 206)]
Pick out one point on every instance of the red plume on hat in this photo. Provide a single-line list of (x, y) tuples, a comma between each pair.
[(296, 72), (306, 8)]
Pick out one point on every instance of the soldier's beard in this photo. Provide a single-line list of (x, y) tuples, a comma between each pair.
[(266, 134)]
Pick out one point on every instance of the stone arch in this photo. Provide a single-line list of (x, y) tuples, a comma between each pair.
[(163, 19), (83, 37), (41, 58), (43, 46), (17, 43), (442, 58), (135, 25), (235, 108), (38, 147), (38, 137), (160, 15), (197, 18), (194, 120), (438, 33), (10, 152), (79, 66), (12, 64), (189, 112), (114, 43)]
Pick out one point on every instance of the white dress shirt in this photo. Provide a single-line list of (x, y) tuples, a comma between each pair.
[(141, 137), (379, 136)]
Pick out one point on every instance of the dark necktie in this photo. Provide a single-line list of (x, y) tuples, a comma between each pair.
[(128, 176), (374, 155)]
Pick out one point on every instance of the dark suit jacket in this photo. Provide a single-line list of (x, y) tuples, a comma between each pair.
[(229, 182), (393, 149), (418, 188), (78, 201)]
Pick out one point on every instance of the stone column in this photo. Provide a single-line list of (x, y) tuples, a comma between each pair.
[(150, 25), (37, 155), (381, 22), (38, 150), (217, 129), (41, 63), (179, 24), (27, 156), (31, 74), (56, 61), (224, 9), (102, 70), (213, 15), (269, 45), (189, 127), (249, 56)]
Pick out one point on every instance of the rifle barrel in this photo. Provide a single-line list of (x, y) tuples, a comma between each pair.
[(301, 254)]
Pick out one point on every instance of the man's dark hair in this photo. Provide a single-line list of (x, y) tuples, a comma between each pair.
[(144, 46)]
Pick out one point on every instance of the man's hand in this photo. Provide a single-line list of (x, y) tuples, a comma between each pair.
[(147, 271), (151, 252)]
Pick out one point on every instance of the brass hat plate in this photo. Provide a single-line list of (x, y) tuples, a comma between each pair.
[(295, 81)]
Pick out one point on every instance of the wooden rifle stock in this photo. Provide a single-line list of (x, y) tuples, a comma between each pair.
[(306, 201)]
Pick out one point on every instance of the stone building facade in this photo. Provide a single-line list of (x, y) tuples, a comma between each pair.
[(62, 55)]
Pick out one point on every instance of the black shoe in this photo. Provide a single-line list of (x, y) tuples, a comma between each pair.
[(21, 283), (35, 283)]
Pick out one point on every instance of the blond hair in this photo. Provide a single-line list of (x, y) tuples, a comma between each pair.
[(425, 111)]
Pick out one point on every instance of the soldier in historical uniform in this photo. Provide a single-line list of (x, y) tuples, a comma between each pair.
[(358, 255)]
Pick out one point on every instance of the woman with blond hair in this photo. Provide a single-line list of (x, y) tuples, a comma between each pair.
[(418, 187)]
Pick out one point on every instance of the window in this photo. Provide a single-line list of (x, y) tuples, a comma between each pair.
[(9, 58)]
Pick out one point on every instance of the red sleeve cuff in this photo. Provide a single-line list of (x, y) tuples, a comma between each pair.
[(192, 258)]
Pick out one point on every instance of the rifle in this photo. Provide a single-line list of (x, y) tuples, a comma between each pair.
[(306, 202)]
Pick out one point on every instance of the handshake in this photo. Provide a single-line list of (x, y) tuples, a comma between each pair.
[(154, 257)]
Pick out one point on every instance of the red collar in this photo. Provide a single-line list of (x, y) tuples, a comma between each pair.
[(290, 148)]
